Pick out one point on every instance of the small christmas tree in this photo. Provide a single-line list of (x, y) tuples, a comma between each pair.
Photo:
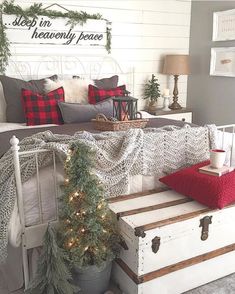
[(53, 276), (151, 90), (88, 227)]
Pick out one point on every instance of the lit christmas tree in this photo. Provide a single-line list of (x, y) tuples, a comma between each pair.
[(87, 224), (53, 275)]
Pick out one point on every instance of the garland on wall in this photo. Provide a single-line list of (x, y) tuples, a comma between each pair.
[(36, 10)]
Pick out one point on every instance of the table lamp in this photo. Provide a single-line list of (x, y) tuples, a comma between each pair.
[(176, 65)]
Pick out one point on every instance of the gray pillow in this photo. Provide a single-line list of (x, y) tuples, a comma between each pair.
[(76, 113), (107, 83), (12, 93)]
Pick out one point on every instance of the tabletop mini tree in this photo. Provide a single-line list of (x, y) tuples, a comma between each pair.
[(87, 225), (152, 92)]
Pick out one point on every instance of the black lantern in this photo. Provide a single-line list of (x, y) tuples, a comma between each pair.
[(125, 108)]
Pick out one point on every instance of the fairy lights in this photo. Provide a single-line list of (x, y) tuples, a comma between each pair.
[(86, 209)]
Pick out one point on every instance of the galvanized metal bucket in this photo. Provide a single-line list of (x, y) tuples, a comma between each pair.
[(92, 280)]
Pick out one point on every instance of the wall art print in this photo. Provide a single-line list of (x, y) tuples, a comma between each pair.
[(224, 25), (222, 62)]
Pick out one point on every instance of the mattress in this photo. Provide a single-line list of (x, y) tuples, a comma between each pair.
[(31, 202)]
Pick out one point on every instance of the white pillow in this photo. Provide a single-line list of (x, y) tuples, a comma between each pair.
[(2, 105), (75, 90)]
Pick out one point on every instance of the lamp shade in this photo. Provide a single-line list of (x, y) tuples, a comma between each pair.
[(176, 65)]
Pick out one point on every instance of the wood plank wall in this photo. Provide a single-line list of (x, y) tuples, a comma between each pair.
[(143, 31)]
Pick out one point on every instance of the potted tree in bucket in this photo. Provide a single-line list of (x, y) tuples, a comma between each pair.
[(151, 91), (88, 228)]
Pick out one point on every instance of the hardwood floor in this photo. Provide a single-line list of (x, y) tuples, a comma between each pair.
[(225, 285)]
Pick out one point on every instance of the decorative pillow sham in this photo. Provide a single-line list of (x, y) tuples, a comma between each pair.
[(42, 109), (12, 93), (76, 113), (96, 95), (107, 83), (213, 191), (75, 90)]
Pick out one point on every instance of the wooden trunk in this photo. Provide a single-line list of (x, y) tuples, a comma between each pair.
[(170, 238)]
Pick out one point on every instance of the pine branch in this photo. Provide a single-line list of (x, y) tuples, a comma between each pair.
[(53, 275)]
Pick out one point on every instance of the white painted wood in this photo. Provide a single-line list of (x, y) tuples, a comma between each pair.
[(183, 236), (145, 218), (45, 30), (187, 116), (153, 199), (181, 280), (143, 32), (162, 5)]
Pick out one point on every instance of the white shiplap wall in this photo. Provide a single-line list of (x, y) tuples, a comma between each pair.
[(143, 31)]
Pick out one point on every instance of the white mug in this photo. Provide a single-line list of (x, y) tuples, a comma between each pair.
[(217, 158)]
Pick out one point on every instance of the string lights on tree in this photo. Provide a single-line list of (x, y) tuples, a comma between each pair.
[(87, 225)]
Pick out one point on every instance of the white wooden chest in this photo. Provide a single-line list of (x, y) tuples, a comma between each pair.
[(172, 243)]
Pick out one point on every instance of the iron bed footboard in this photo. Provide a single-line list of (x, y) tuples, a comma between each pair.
[(32, 236)]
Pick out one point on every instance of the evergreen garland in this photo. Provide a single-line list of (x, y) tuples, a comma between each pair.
[(87, 224), (151, 89), (53, 276), (4, 48), (35, 10)]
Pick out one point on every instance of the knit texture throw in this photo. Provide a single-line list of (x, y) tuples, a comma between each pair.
[(118, 156)]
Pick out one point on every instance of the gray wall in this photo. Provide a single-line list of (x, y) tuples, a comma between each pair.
[(212, 98)]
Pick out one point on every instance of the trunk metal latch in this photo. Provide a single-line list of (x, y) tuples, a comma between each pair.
[(156, 244), (204, 223)]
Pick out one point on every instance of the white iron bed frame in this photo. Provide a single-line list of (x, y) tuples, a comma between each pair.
[(39, 65), (32, 236)]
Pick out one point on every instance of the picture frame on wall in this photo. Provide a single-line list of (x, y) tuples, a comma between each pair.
[(224, 25), (222, 61)]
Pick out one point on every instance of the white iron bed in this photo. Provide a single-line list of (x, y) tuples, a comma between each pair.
[(27, 227), (31, 227), (32, 232)]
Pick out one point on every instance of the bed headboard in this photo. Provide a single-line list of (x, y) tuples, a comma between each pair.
[(27, 64), (67, 65)]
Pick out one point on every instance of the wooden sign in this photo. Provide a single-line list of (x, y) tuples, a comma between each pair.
[(44, 30)]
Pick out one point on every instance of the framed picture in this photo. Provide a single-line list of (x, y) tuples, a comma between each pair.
[(224, 25), (223, 62)]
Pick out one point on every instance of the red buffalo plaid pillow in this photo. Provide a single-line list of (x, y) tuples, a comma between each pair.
[(42, 109), (96, 95)]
